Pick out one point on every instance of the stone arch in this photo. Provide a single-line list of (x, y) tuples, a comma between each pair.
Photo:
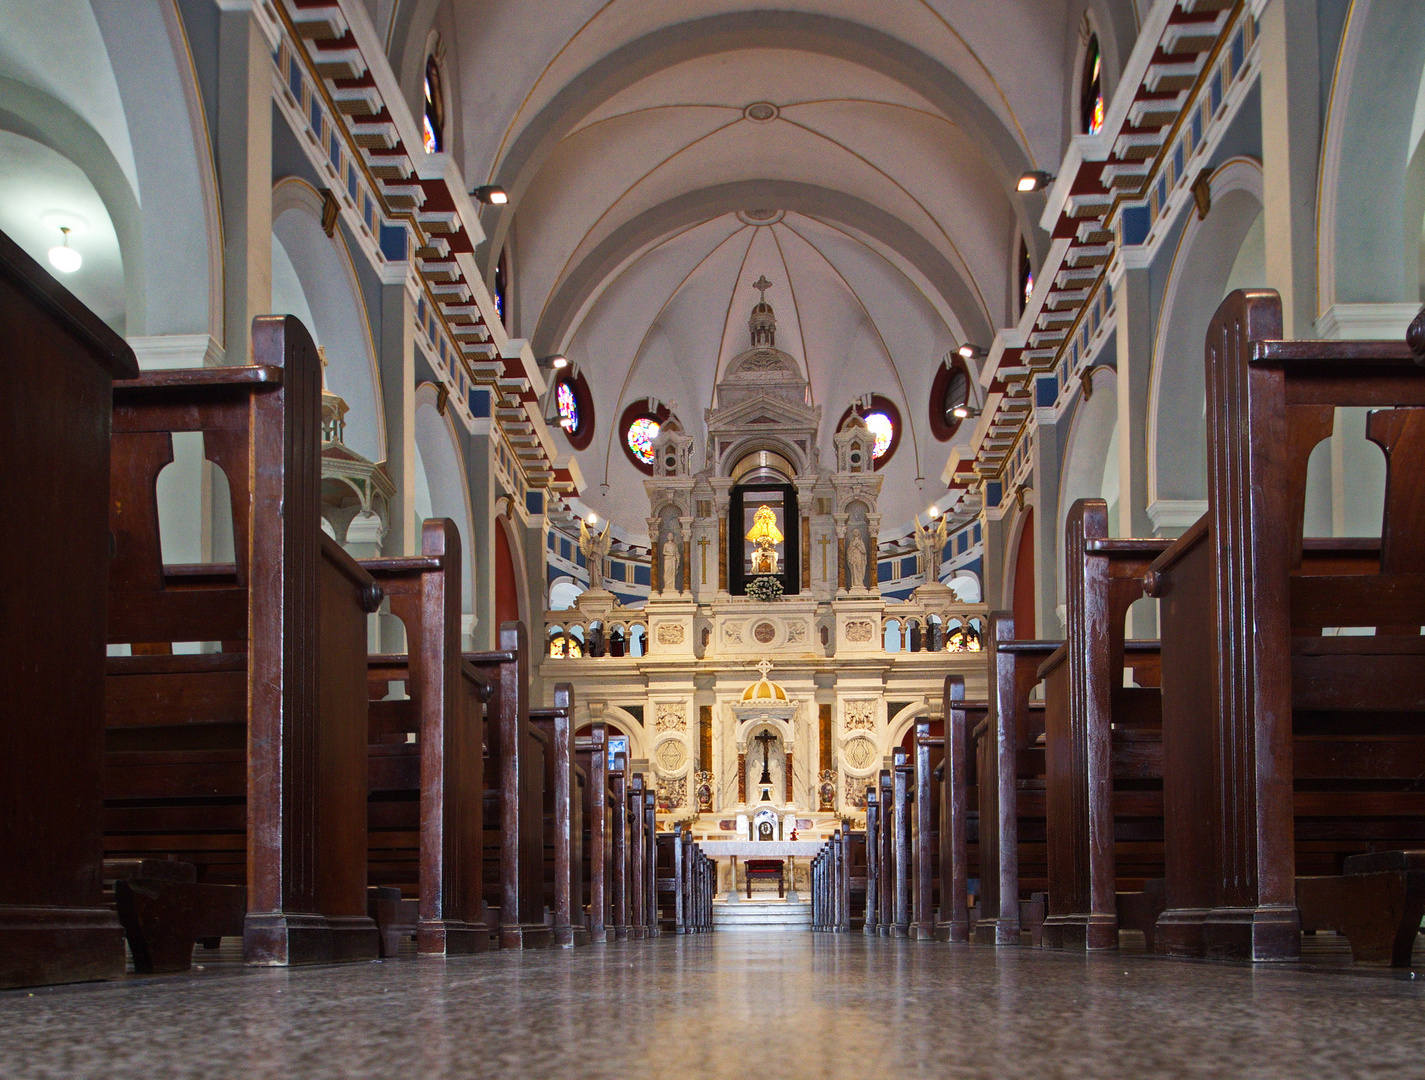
[(1369, 200), (902, 722), (326, 281), (442, 459), (511, 594), (1090, 469), (1020, 581), (1198, 278), (37, 116)]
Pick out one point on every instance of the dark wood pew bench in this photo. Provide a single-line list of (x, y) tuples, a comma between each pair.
[(1103, 746), (249, 762), (57, 364), (565, 799), (1011, 790), (591, 755), (1317, 742), (514, 795), (926, 818), (425, 764)]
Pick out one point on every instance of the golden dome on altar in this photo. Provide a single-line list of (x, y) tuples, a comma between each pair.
[(764, 689)]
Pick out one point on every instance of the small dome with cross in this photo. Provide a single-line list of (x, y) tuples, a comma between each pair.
[(764, 689)]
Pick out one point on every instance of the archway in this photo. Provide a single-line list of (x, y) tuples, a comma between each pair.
[(1022, 605), (1213, 257)]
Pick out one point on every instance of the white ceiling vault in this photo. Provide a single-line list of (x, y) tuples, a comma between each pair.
[(661, 155)]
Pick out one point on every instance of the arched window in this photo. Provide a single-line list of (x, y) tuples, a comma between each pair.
[(576, 408), (502, 284), (1026, 276), (884, 420), (433, 123), (1091, 90), (638, 427), (949, 391)]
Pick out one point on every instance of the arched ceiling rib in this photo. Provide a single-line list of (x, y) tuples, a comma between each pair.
[(948, 92)]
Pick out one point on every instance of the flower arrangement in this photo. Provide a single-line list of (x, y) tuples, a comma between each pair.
[(765, 587)]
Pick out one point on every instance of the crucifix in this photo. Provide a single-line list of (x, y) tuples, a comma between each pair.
[(703, 544), (766, 739), (762, 285), (823, 541)]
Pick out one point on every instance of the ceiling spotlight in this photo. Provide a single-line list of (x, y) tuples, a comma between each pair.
[(971, 352), (557, 362), (1034, 180), (964, 412), (63, 257), (492, 194)]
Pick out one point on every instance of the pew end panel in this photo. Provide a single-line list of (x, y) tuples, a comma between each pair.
[(59, 364)]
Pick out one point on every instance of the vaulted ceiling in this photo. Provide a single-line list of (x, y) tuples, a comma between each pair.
[(660, 155)]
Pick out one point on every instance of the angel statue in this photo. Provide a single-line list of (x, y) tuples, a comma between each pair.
[(595, 547), (931, 542)]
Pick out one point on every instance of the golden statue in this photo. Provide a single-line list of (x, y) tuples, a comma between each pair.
[(765, 536)]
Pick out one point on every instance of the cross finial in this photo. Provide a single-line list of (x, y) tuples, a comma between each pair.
[(762, 285), (764, 666)]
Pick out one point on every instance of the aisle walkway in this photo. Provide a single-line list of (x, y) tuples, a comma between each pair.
[(731, 1005)]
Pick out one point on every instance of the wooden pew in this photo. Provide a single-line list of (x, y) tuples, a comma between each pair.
[(514, 794), (1010, 772), (925, 832), (885, 853), (854, 879), (591, 753), (902, 867), (425, 801), (650, 854), (702, 886), (57, 365), (637, 860), (249, 762), (565, 794), (873, 860), (1313, 747), (668, 893), (621, 833), (1103, 746), (958, 811)]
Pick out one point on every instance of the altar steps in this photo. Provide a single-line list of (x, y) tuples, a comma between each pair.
[(761, 914)]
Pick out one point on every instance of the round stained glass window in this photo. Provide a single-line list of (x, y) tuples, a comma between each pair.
[(641, 433), (568, 407), (883, 429)]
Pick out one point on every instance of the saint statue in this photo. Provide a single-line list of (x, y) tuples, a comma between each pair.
[(595, 547), (931, 542), (670, 563), (855, 561)]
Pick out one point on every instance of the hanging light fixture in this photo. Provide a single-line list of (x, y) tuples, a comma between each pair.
[(63, 257)]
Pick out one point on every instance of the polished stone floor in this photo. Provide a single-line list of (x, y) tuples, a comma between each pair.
[(728, 1005)]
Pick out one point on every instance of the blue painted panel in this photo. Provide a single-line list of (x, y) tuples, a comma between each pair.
[(1136, 222), (994, 491), (908, 568), (393, 242), (480, 404), (1046, 390), (534, 502), (642, 575), (883, 571)]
